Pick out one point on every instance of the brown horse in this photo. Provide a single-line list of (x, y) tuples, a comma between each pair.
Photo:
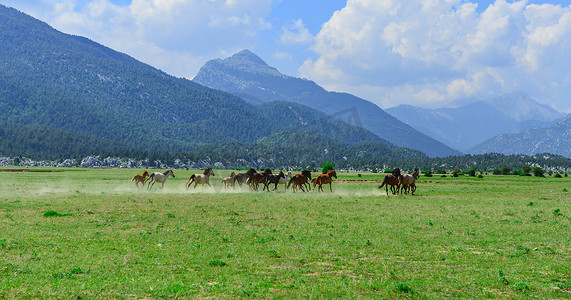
[(324, 179), (299, 180), (229, 181), (141, 179), (393, 181), (256, 178), (407, 182)]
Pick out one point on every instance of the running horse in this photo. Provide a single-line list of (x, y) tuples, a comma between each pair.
[(407, 182), (256, 178), (275, 179), (141, 179), (159, 177), (392, 180), (200, 178), (242, 178), (229, 181), (284, 180), (300, 180), (324, 179)]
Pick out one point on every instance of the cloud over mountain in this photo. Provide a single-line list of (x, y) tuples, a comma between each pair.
[(421, 52)]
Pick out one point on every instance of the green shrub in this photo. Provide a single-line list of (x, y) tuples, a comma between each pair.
[(526, 169), (326, 167), (538, 172)]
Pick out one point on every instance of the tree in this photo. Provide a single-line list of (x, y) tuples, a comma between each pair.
[(472, 172), (539, 172), (327, 166), (526, 170), (505, 170)]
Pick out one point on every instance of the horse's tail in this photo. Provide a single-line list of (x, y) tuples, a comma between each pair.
[(385, 181), (190, 179), (134, 177)]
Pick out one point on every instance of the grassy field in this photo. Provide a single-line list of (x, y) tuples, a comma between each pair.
[(87, 234)]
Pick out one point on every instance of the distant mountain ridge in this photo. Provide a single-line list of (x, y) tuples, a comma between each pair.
[(521, 107), (473, 122), (555, 139), (246, 75)]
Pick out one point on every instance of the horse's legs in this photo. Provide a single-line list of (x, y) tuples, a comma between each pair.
[(330, 187)]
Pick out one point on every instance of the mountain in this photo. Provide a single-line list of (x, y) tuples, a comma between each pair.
[(64, 95), (555, 139), (473, 122), (246, 75), (461, 127), (521, 107)]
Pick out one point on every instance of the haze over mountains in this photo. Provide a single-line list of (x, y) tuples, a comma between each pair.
[(246, 75), (472, 122), (554, 139)]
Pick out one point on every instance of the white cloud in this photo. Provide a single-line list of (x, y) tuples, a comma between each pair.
[(296, 34), (430, 52)]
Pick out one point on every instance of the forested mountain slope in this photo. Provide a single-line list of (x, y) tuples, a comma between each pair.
[(248, 76), (67, 95)]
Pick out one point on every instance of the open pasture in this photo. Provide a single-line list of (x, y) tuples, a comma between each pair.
[(89, 234)]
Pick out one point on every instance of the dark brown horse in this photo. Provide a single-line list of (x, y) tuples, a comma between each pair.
[(141, 179), (256, 178), (324, 179), (299, 180), (275, 179), (393, 181)]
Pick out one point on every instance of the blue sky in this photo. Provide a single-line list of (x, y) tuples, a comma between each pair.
[(421, 52)]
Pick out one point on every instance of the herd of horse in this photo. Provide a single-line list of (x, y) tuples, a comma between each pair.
[(400, 182), (253, 179)]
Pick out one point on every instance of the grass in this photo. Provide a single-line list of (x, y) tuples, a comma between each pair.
[(92, 234)]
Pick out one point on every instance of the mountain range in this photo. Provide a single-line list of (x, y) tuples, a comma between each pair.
[(469, 123), (554, 139), (63, 95), (246, 75)]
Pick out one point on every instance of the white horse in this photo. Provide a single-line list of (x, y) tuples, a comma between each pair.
[(159, 177), (200, 178), (285, 180)]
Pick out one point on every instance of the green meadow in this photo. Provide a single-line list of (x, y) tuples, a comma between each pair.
[(91, 234)]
